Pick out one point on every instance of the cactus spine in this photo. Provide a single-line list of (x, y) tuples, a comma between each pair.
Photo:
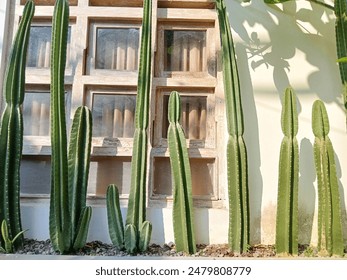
[(287, 199), (236, 149), (330, 236), (183, 221), (137, 231), (69, 217), (11, 131)]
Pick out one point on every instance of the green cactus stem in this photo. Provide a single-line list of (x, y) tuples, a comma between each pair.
[(287, 199), (183, 221), (236, 149), (136, 214), (69, 217), (114, 217), (11, 130), (341, 42), (330, 236)]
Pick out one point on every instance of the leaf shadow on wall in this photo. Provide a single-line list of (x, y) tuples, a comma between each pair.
[(313, 36)]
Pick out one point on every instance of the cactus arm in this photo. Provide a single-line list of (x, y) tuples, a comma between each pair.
[(114, 217), (78, 163), (130, 238), (137, 198), (182, 183), (11, 130), (145, 236), (82, 228), (236, 149), (60, 229)]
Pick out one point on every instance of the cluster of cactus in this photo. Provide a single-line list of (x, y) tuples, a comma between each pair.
[(69, 216), (183, 222), (137, 229), (330, 236), (287, 200), (236, 149), (11, 131)]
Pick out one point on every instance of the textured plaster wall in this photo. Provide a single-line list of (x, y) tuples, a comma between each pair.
[(276, 47)]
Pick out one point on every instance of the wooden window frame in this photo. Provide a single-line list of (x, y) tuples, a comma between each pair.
[(106, 146), (209, 141), (210, 51), (91, 56)]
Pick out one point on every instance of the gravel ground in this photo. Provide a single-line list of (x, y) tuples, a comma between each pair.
[(97, 248)]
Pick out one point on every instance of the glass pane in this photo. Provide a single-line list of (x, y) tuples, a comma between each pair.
[(113, 115), (193, 116), (36, 113), (109, 170), (39, 48), (117, 48), (35, 175), (202, 176), (184, 50)]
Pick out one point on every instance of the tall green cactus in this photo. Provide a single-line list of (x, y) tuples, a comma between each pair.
[(137, 231), (236, 149), (69, 217), (287, 199), (183, 221), (330, 236), (341, 42), (11, 130)]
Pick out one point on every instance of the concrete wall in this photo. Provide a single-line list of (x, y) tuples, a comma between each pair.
[(276, 46)]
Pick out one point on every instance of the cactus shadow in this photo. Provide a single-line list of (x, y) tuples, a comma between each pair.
[(307, 192), (251, 137)]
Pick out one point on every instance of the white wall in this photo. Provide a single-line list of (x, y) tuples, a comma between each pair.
[(277, 46), (274, 49)]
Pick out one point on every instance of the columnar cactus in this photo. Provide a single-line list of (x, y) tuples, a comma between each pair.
[(137, 231), (11, 130), (341, 42), (183, 221), (69, 217), (330, 236), (236, 149), (287, 199)]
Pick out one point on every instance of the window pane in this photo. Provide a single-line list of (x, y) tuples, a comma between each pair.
[(117, 48), (113, 115), (193, 116), (202, 176), (35, 175), (184, 50), (36, 113), (109, 170), (39, 48)]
